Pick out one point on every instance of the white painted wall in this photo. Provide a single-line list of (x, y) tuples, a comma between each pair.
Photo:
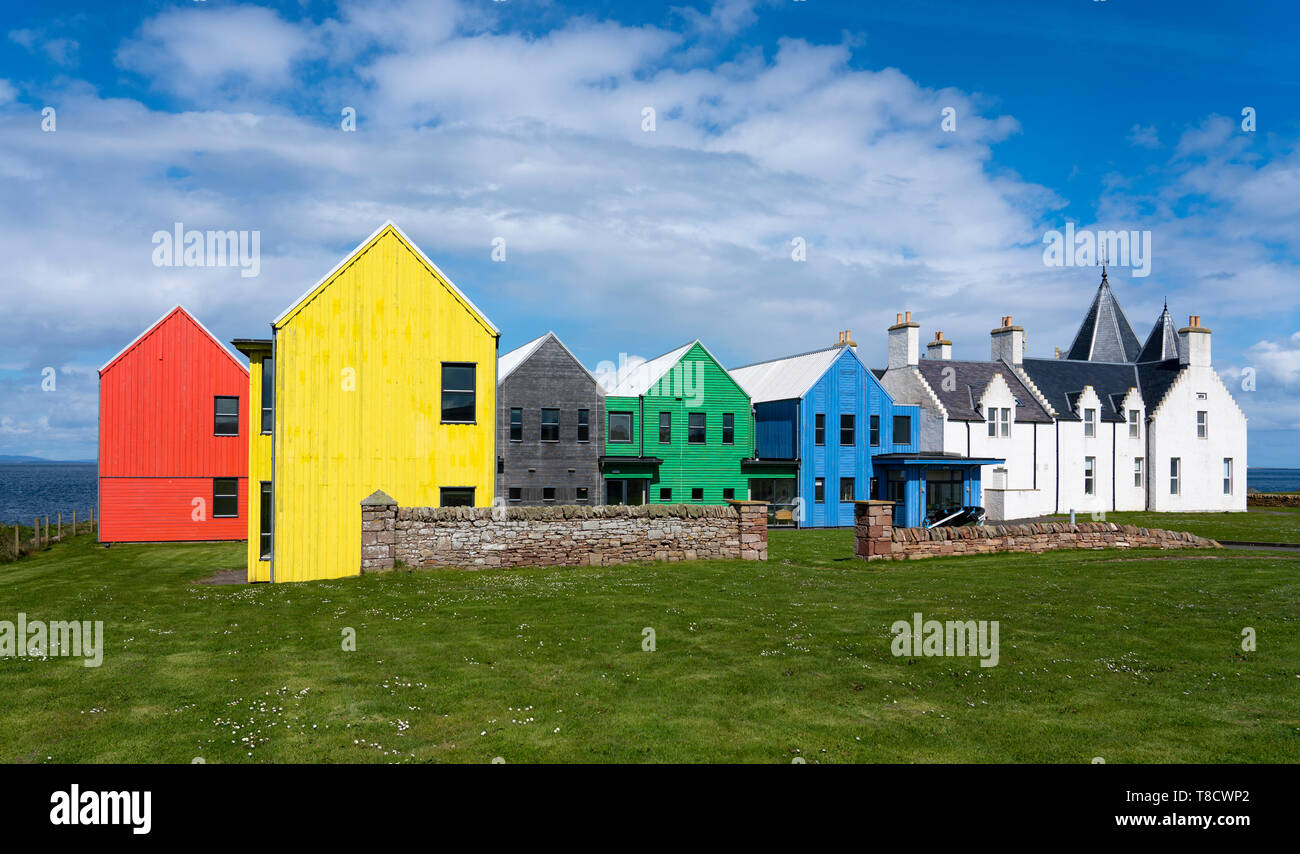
[(1173, 434)]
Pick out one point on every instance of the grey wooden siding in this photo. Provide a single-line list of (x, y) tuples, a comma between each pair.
[(550, 378)]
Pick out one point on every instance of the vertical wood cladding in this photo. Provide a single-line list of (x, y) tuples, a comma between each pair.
[(550, 378)]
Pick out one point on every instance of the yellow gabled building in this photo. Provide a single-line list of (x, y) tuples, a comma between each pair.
[(382, 376)]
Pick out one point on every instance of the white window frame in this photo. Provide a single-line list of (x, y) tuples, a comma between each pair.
[(1227, 475), (1202, 424), (1137, 471), (1089, 475), (1089, 423), (1134, 424), (1175, 475), (1004, 421)]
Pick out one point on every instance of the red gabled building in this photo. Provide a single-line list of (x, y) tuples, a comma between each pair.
[(173, 437)]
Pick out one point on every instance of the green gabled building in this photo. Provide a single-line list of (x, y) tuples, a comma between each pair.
[(677, 428)]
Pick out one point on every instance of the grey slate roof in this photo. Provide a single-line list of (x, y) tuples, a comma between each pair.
[(970, 380), (1162, 343), (1062, 380), (1105, 334), (1155, 379)]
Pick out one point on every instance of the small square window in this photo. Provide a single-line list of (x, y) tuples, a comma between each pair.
[(729, 494), (665, 494), (548, 493), (620, 427), (225, 421), (550, 425), (580, 495), (697, 494), (225, 497), (456, 496), (516, 493)]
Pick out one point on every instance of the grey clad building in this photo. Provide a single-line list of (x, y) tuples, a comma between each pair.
[(550, 426)]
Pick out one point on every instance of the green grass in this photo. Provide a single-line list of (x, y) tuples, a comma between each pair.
[(1257, 524), (1131, 656)]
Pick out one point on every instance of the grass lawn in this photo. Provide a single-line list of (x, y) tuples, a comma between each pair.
[(1257, 524), (1130, 656)]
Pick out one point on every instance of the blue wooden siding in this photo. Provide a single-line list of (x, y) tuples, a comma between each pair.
[(775, 426)]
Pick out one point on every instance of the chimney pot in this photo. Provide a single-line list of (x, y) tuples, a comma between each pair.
[(898, 318), (909, 316)]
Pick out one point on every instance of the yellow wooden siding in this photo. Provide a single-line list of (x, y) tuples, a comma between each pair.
[(358, 405), (259, 469)]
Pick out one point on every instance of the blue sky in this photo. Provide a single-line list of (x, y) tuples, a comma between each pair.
[(774, 120)]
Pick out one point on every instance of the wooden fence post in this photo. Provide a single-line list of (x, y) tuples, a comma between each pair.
[(36, 533), (74, 523), (60, 524)]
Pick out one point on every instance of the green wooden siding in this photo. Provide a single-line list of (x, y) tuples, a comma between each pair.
[(697, 384)]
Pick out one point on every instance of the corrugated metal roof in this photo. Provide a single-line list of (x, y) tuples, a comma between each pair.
[(506, 364), (636, 379), (786, 378)]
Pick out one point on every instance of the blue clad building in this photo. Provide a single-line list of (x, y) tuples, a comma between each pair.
[(820, 419)]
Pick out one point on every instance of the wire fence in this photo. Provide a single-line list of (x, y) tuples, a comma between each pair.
[(17, 541)]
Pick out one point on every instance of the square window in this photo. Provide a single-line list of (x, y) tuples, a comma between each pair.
[(516, 424), (456, 496), (580, 495), (548, 493), (225, 497), (550, 425), (620, 427), (695, 428), (729, 494), (697, 494), (225, 418), (516, 493), (665, 494), (458, 392)]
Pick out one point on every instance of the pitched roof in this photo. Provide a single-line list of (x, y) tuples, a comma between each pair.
[(1105, 334), (157, 324), (388, 225), (1062, 380), (638, 379), (787, 378), (1155, 379), (1162, 343), (507, 363), (960, 392)]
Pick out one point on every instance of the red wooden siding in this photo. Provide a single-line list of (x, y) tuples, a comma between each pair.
[(157, 451)]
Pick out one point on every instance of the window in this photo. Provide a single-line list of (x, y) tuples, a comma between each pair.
[(697, 494), (1089, 475), (728, 428), (1202, 424), (846, 489), (695, 428), (1227, 476), (548, 493), (225, 416), (458, 394), (225, 497), (665, 428), (580, 495), (902, 429), (665, 493), (819, 490), (264, 519), (620, 427), (584, 425), (516, 494), (993, 421), (268, 394), (501, 465), (456, 496), (1004, 421), (1137, 471), (550, 425), (1175, 464), (846, 430), (875, 431), (516, 424), (1089, 422), (1134, 428), (729, 494), (819, 429)]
